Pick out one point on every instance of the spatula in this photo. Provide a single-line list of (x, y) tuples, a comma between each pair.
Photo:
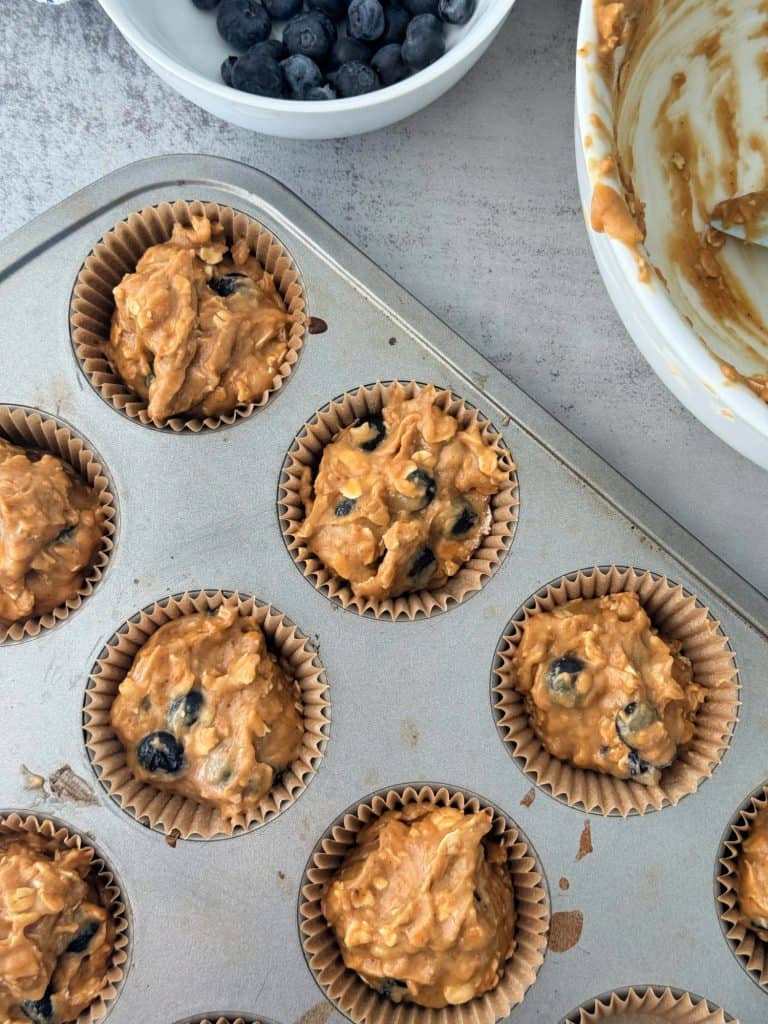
[(744, 217)]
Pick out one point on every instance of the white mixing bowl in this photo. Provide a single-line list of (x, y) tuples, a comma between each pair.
[(666, 340), (182, 45)]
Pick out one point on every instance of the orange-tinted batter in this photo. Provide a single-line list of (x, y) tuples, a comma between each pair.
[(50, 529), (604, 690), (752, 879), (423, 907), (207, 711), (56, 937), (401, 500), (198, 328)]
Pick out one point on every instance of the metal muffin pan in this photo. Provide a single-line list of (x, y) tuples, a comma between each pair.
[(215, 922)]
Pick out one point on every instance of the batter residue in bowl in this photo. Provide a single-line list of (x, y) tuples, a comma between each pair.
[(688, 84)]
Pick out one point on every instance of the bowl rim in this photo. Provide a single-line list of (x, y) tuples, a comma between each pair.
[(485, 26), (655, 301)]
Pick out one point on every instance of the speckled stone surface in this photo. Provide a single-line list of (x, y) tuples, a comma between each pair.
[(472, 205)]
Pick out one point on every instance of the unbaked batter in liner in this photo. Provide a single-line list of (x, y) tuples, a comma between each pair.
[(56, 936), (603, 690), (423, 907), (51, 524), (752, 876), (208, 712), (199, 327), (401, 499)]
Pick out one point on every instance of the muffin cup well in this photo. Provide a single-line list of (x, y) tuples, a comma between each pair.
[(649, 1002), (307, 451), (60, 835), (677, 615), (214, 1018), (178, 816), (117, 253), (31, 429), (346, 989), (748, 945)]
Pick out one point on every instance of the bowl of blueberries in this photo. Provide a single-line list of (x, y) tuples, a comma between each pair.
[(310, 69)]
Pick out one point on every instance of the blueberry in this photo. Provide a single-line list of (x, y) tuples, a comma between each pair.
[(281, 10), (634, 718), (456, 12), (424, 43), (365, 19), (321, 92), (243, 22), (39, 1011), (185, 710), (424, 486), (66, 534), (271, 48), (227, 67), (395, 23), (466, 518), (637, 766), (227, 284), (83, 938), (355, 78), (560, 680), (371, 427), (344, 507), (415, 7), (335, 9), (389, 66), (301, 75), (258, 73), (160, 752), (394, 990), (423, 566), (205, 5), (310, 34), (345, 49)]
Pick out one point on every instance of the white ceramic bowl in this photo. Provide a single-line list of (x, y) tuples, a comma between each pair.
[(182, 45), (674, 351)]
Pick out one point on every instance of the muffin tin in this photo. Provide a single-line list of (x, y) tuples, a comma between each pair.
[(215, 922)]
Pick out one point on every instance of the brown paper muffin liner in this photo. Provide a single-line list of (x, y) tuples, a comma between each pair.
[(748, 944), (651, 1004), (213, 1018), (344, 987), (307, 450), (177, 816), (31, 429), (677, 615), (112, 897), (117, 254)]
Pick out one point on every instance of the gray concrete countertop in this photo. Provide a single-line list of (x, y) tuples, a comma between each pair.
[(472, 205)]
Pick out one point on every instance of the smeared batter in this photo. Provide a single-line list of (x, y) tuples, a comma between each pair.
[(423, 908), (683, 133), (198, 328), (56, 937), (401, 499), (50, 529), (207, 711), (603, 690), (752, 878)]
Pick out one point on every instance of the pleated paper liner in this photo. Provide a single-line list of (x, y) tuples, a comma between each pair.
[(748, 944), (307, 450), (177, 816), (677, 615), (58, 834), (344, 987), (118, 252), (29, 428), (648, 1004), (229, 1018)]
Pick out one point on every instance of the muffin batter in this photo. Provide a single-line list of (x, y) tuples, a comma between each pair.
[(206, 711), (50, 530), (423, 908), (603, 690), (752, 877), (401, 499), (682, 134), (198, 328), (56, 938)]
